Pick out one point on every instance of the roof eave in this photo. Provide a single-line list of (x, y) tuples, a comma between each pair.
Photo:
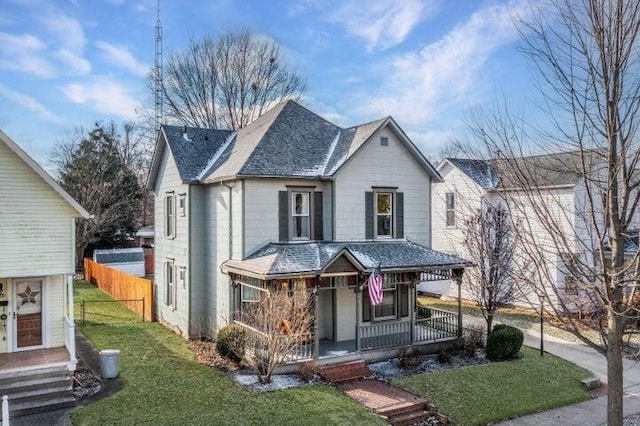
[(44, 175)]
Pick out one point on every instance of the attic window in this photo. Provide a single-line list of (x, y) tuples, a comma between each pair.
[(384, 141)]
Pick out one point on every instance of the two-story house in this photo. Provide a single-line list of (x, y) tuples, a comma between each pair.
[(295, 200), (546, 198), (37, 265)]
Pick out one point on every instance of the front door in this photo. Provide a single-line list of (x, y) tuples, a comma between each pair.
[(28, 313)]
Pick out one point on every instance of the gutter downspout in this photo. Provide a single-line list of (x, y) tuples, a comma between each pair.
[(230, 301)]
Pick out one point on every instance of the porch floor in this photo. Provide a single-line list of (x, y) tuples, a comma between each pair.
[(329, 348), (38, 358)]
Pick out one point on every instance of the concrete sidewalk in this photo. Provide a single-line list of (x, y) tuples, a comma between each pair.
[(587, 413)]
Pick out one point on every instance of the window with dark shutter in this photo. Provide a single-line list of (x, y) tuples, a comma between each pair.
[(399, 215), (318, 231), (366, 306), (403, 299), (368, 215), (283, 215)]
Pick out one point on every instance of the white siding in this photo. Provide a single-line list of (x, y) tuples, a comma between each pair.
[(382, 166), (345, 314), (36, 228), (261, 212), (176, 248)]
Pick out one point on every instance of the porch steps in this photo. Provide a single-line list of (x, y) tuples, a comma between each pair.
[(37, 390), (397, 406), (345, 372)]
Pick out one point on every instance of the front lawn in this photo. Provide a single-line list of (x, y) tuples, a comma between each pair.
[(492, 392), (163, 385)]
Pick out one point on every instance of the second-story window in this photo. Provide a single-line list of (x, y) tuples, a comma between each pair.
[(451, 208), (384, 214), (170, 216), (300, 216)]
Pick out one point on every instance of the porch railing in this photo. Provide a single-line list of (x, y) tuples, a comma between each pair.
[(256, 343), (430, 324)]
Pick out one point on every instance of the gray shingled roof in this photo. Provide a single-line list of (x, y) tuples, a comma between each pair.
[(563, 168), (479, 170), (193, 147), (314, 257), (127, 255), (286, 141)]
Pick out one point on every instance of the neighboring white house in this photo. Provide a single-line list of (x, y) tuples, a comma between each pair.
[(468, 185), (129, 260), (37, 265), (294, 200)]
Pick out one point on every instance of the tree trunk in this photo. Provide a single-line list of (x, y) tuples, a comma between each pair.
[(614, 370), (489, 323)]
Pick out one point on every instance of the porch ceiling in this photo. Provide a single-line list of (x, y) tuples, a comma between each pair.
[(278, 260)]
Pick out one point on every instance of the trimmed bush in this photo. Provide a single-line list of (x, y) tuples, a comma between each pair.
[(307, 371), (504, 342), (473, 339), (230, 342)]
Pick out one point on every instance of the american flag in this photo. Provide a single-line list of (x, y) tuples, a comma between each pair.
[(375, 287)]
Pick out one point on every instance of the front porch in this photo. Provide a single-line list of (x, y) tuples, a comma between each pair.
[(34, 359), (345, 323)]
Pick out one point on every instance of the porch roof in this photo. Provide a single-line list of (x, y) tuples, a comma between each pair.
[(310, 258)]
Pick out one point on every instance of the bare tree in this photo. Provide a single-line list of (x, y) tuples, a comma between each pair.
[(227, 81), (490, 240), (587, 56), (276, 327)]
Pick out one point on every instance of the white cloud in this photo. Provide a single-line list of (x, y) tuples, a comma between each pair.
[(78, 63), (27, 102), (105, 95), (121, 56), (68, 31), (382, 23), (24, 53), (444, 73)]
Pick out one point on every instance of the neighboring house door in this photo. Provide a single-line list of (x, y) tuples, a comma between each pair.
[(28, 313)]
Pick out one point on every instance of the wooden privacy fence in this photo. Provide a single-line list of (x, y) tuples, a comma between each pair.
[(122, 286)]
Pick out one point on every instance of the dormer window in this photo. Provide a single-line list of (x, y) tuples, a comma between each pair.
[(300, 217)]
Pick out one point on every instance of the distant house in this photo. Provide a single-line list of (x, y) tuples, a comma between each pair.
[(129, 260), (37, 265), (294, 201), (470, 185), (145, 236)]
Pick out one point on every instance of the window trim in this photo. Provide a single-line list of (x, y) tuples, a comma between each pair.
[(391, 213), (170, 284), (450, 209), (182, 205), (170, 215), (308, 192)]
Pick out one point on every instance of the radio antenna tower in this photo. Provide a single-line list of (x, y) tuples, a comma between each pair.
[(158, 72)]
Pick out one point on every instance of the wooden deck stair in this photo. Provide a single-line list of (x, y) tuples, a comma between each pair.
[(340, 373), (37, 390)]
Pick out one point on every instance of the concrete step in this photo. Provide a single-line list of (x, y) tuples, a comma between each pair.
[(40, 405), (37, 390)]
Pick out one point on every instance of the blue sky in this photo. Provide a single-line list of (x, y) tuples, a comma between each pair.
[(69, 63)]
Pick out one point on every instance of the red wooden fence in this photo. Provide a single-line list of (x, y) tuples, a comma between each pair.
[(122, 286)]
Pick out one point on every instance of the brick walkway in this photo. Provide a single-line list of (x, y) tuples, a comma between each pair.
[(379, 396)]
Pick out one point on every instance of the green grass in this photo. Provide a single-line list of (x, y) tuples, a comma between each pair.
[(492, 392), (163, 385)]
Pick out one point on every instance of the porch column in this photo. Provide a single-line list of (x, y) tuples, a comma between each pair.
[(316, 334), (413, 296), (358, 313), (457, 273)]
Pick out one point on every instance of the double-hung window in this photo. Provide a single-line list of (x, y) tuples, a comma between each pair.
[(300, 216), (450, 208), (384, 214), (395, 304), (170, 283), (170, 215)]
